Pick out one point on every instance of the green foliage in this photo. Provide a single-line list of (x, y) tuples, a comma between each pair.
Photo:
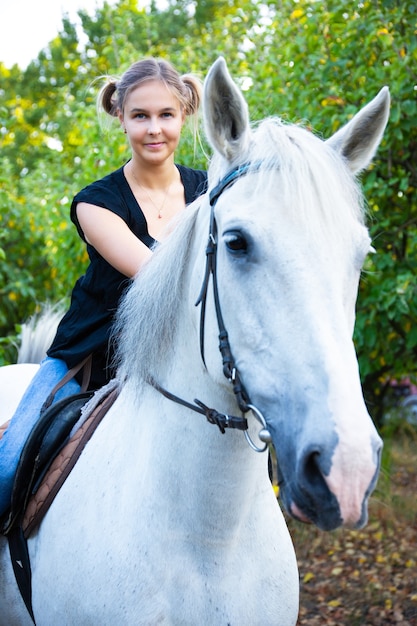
[(317, 62), (24, 273)]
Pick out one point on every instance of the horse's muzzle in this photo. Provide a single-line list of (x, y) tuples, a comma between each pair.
[(329, 499)]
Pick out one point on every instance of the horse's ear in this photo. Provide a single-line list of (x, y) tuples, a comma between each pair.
[(358, 141), (225, 112)]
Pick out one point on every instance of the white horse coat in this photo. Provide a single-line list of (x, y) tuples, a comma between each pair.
[(164, 520)]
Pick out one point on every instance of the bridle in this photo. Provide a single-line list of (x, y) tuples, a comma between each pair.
[(230, 370)]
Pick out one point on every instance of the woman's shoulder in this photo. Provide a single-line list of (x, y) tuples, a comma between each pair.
[(191, 174), (110, 183), (194, 181), (111, 192)]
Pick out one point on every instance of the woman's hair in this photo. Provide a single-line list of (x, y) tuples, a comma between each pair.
[(187, 88)]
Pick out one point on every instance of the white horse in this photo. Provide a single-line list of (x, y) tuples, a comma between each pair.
[(165, 519)]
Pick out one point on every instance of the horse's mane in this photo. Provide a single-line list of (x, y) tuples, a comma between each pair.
[(148, 314), (303, 172)]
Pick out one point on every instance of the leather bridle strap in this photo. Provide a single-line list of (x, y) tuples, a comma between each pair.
[(229, 369), (221, 420)]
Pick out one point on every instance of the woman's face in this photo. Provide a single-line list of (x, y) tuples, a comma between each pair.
[(153, 119)]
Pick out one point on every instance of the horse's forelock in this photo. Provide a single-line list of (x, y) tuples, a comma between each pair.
[(303, 173), (313, 180)]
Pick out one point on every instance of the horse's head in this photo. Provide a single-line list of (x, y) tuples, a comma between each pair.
[(291, 242)]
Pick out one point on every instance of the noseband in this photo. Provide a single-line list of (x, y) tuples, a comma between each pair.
[(229, 367)]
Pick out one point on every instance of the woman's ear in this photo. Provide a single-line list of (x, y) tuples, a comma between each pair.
[(121, 120)]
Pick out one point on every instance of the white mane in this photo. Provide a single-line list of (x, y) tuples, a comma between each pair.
[(147, 318)]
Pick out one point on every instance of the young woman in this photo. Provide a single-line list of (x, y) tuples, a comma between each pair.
[(120, 217)]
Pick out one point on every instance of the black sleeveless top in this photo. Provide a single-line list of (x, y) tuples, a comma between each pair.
[(85, 328)]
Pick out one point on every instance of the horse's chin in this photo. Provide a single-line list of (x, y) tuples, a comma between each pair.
[(297, 514), (328, 518)]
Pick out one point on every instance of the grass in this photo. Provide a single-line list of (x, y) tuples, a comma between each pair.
[(394, 497)]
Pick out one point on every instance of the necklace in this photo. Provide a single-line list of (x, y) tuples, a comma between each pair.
[(161, 207)]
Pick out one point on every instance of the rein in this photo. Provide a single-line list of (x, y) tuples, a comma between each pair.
[(230, 371)]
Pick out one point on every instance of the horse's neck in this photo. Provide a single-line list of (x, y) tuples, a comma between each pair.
[(186, 466)]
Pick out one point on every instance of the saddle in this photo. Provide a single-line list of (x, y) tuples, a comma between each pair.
[(46, 461), (45, 441)]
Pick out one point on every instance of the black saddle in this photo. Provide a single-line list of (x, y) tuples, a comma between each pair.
[(45, 441)]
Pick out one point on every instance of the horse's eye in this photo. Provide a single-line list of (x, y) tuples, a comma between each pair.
[(236, 242)]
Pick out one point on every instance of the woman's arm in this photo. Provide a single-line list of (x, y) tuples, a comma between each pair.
[(112, 238)]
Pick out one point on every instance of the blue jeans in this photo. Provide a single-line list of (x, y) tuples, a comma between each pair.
[(50, 372)]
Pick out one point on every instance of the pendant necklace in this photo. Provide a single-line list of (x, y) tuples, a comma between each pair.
[(160, 208)]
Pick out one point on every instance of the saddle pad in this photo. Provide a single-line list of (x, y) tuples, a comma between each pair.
[(62, 465)]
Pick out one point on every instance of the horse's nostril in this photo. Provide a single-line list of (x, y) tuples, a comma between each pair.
[(313, 498), (312, 469)]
